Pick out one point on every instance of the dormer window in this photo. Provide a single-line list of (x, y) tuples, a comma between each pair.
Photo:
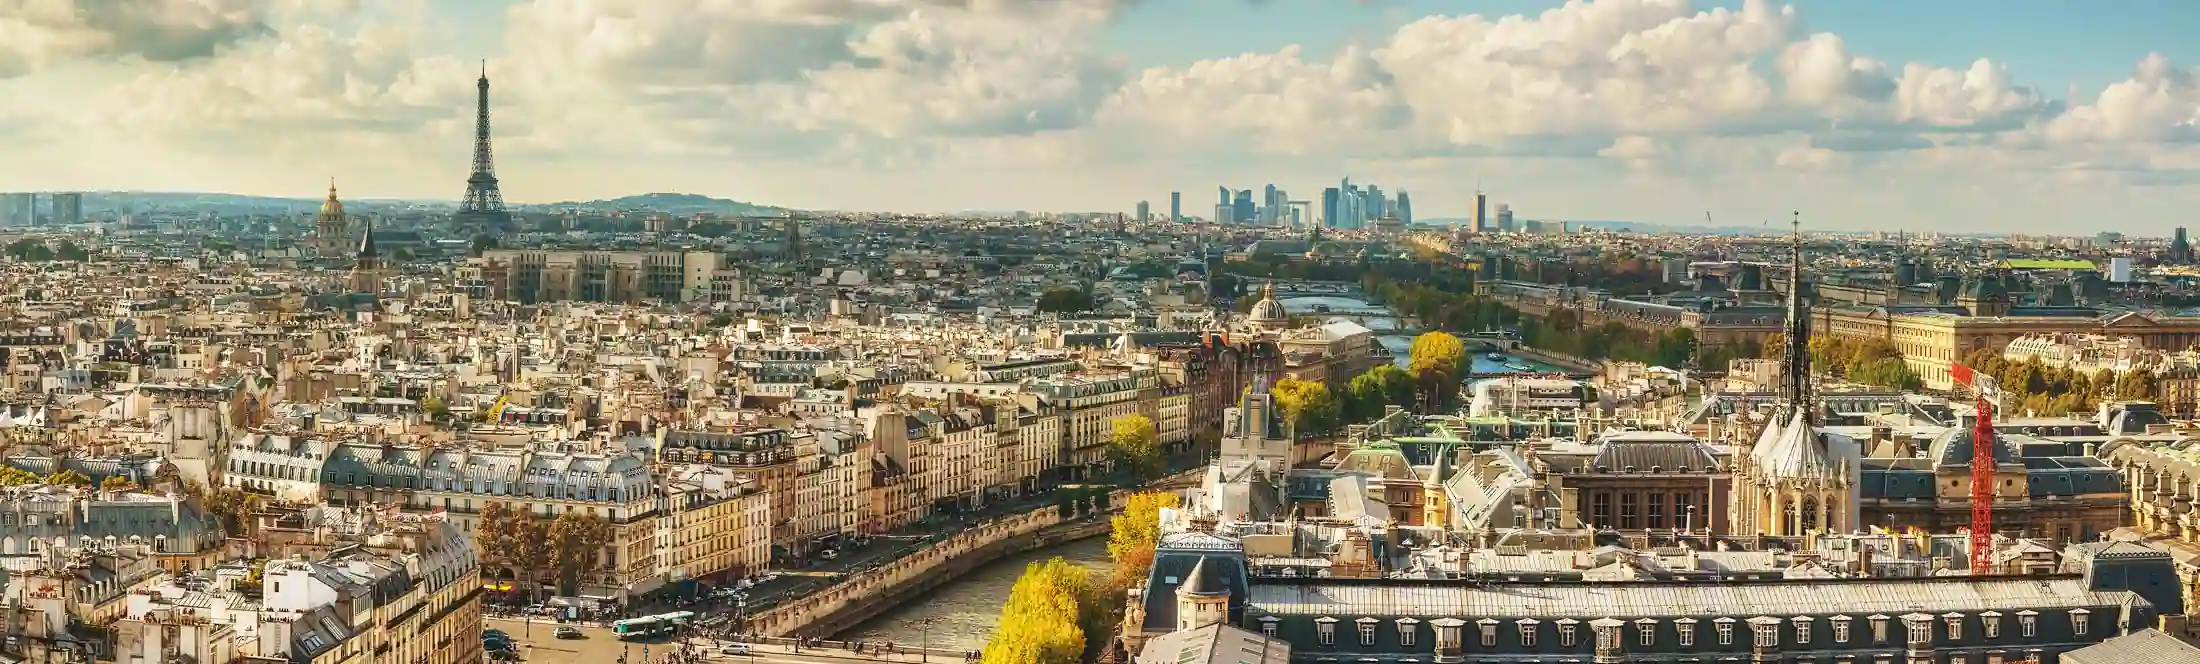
[(1684, 631), (1991, 622), (1646, 632), (1268, 626), (2080, 620), (1527, 631), (1566, 634), (1802, 629), (1325, 629), (1367, 630), (2028, 621), (1879, 628), (1840, 628), (1407, 628), (1725, 627), (1488, 627), (1955, 625)]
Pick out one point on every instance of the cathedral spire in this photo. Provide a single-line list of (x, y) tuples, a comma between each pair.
[(1795, 389)]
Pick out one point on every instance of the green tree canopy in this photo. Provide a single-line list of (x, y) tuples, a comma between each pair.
[(1384, 385), (1134, 442), (1439, 352), (1308, 406), (1065, 300)]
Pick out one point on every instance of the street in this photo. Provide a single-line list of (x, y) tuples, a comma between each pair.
[(598, 645)]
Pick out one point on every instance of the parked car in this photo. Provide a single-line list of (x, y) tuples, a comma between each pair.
[(566, 632), (735, 649)]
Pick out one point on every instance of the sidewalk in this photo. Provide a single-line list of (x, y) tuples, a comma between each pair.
[(839, 650)]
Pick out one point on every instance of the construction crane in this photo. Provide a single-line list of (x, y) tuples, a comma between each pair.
[(1982, 467)]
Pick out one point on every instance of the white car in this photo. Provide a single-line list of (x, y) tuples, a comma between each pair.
[(735, 649)]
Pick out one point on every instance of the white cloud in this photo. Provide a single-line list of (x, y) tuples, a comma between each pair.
[(35, 34), (1653, 88)]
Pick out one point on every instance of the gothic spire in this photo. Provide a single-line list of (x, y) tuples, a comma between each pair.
[(1795, 389)]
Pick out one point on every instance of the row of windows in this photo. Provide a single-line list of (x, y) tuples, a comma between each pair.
[(1766, 630)]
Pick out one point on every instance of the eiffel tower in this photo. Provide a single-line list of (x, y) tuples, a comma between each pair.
[(483, 206)]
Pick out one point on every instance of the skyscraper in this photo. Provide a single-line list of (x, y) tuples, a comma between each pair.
[(18, 210), (1222, 195), (1405, 207), (1241, 210), (1329, 207), (68, 208), (1145, 212), (1504, 218), (1481, 212), (483, 205), (1176, 207)]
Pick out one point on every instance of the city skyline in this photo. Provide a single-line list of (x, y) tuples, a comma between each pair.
[(1642, 110)]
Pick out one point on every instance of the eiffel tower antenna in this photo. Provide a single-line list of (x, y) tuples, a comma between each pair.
[(484, 204)]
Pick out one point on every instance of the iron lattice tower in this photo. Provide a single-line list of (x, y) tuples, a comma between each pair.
[(484, 204)]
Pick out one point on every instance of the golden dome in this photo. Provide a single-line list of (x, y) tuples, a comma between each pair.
[(332, 208)]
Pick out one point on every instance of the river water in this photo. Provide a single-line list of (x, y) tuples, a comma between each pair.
[(1400, 345), (962, 614)]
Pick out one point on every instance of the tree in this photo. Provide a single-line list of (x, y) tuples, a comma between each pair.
[(516, 540), (67, 477), (1134, 444), (2136, 384), (231, 507), (1065, 300), (1308, 406), (12, 476), (1139, 526), (578, 541), (438, 411), (1042, 621), (1438, 352), (117, 483), (1384, 385)]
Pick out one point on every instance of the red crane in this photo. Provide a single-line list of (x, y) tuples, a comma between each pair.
[(1982, 469)]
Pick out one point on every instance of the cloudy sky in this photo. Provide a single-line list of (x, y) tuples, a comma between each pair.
[(1950, 115)]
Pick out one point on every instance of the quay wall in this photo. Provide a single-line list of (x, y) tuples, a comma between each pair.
[(862, 595)]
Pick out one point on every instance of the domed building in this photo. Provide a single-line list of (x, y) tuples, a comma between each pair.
[(331, 226), (2041, 487), (1268, 314)]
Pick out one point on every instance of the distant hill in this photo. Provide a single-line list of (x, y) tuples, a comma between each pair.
[(675, 204)]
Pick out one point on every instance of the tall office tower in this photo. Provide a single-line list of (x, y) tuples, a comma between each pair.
[(1176, 207), (1377, 205), (1241, 210), (1405, 207), (1481, 212), (1268, 207), (15, 210), (483, 205), (1223, 195), (1504, 218), (1145, 212), (1224, 214), (68, 208), (1329, 207)]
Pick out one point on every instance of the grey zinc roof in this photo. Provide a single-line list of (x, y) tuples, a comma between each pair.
[(2149, 646), (1707, 600)]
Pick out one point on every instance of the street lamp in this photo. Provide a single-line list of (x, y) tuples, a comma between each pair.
[(924, 637)]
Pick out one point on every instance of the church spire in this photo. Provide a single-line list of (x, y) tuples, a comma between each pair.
[(1795, 389)]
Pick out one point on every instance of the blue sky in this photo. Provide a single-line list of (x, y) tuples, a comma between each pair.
[(1956, 115)]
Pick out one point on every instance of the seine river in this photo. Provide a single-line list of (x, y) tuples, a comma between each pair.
[(962, 614)]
